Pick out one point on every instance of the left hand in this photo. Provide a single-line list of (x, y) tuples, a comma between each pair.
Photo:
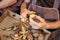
[(26, 12)]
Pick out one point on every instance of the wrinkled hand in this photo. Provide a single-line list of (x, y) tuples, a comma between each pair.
[(36, 25), (25, 12), (6, 3)]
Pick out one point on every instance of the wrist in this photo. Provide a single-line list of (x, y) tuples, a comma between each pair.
[(44, 26)]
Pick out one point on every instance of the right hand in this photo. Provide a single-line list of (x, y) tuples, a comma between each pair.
[(6, 3), (36, 25)]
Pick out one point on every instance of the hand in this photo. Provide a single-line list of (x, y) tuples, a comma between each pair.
[(6, 3), (36, 25), (25, 12)]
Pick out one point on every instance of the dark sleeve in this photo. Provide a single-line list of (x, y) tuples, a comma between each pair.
[(55, 35)]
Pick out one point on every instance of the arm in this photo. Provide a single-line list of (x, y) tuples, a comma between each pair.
[(53, 25), (24, 6), (43, 24), (24, 10), (6, 3)]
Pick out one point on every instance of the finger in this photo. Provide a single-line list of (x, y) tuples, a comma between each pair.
[(40, 18), (31, 12), (24, 15), (34, 26), (32, 21)]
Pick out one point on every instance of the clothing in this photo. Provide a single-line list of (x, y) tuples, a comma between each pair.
[(55, 35)]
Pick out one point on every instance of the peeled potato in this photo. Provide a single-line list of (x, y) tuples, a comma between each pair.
[(32, 15)]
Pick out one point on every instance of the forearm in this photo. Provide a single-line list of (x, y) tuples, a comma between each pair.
[(6, 3), (24, 10), (53, 25), (23, 6)]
